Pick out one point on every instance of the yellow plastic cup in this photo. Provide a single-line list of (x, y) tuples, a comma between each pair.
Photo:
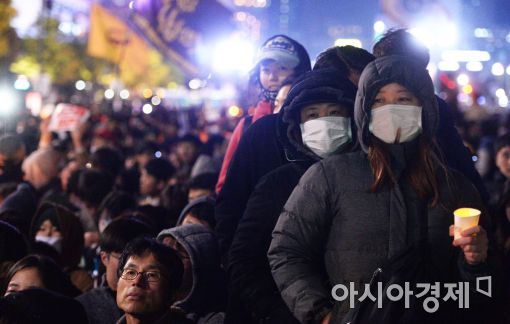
[(463, 219)]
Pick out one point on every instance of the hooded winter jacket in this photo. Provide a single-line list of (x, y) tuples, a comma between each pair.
[(262, 148), (198, 201), (72, 242), (207, 294), (250, 279), (333, 230)]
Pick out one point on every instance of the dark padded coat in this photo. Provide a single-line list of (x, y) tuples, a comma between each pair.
[(333, 230), (263, 148), (250, 276)]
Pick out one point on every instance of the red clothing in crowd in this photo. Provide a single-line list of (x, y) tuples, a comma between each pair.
[(263, 108)]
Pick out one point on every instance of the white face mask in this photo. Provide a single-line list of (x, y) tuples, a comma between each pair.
[(54, 241), (326, 135), (388, 119)]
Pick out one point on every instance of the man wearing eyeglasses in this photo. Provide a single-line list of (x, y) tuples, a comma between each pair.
[(149, 275), (100, 303)]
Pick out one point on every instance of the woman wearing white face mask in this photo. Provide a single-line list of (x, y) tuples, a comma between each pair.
[(58, 227), (318, 114), (352, 213)]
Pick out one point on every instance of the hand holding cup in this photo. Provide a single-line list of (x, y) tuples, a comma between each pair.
[(469, 236)]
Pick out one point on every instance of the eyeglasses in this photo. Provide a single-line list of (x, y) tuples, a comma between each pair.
[(150, 276)]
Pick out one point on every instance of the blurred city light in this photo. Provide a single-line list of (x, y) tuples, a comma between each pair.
[(195, 84), (348, 41), (233, 55), (498, 69), (27, 13), (8, 99), (80, 85), (109, 93), (379, 27), (432, 68), (147, 108), (234, 111), (500, 93), (448, 36), (66, 27), (160, 93), (465, 56), (77, 30), (448, 66), (482, 33), (21, 83), (502, 97), (503, 101), (508, 70), (433, 33), (474, 66), (465, 99), (423, 35), (462, 79), (251, 3), (124, 94), (155, 100), (240, 16), (157, 154), (260, 3), (467, 89), (147, 93)]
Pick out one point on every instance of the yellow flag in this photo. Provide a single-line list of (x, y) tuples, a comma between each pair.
[(111, 39)]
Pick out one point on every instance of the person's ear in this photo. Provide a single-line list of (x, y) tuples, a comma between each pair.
[(104, 258)]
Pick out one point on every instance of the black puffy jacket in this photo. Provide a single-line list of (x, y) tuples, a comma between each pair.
[(333, 230)]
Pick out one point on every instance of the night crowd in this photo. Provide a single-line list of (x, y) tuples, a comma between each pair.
[(346, 173)]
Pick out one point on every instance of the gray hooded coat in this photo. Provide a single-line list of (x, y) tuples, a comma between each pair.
[(333, 230), (208, 291)]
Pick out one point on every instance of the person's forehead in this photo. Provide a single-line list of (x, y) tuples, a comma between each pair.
[(505, 149), (27, 271), (144, 261), (318, 105), (393, 87)]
